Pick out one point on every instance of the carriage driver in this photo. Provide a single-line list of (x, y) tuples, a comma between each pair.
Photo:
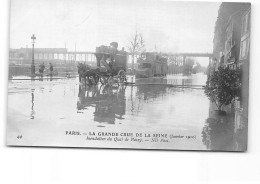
[(110, 61)]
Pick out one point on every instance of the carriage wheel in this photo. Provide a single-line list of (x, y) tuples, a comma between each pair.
[(103, 80), (121, 76), (110, 81)]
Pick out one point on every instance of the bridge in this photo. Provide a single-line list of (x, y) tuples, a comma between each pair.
[(63, 56), (193, 54), (180, 58), (176, 61)]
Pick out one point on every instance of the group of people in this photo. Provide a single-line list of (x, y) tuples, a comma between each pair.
[(42, 67)]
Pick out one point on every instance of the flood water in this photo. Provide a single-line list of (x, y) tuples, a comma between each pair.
[(41, 106)]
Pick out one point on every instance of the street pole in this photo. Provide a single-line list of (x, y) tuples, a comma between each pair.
[(75, 55), (33, 65)]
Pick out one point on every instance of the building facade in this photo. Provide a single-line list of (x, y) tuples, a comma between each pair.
[(241, 105), (245, 38), (236, 55), (233, 38)]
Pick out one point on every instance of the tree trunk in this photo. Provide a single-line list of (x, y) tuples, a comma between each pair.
[(133, 62)]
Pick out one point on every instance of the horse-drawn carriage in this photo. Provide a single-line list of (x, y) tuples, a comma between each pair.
[(110, 69)]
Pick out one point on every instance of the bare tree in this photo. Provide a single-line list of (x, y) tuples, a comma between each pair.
[(136, 46)]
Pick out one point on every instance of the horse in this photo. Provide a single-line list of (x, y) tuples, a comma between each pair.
[(86, 72)]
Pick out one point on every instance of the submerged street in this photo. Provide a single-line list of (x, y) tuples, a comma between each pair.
[(149, 105)]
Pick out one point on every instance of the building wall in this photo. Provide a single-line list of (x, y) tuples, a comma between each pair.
[(236, 56), (244, 63), (233, 38)]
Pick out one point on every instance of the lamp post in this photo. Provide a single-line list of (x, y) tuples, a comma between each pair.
[(33, 65)]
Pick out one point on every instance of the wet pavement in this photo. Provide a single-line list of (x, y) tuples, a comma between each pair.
[(36, 106)]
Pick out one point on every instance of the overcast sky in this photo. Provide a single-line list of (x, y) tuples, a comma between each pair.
[(170, 26)]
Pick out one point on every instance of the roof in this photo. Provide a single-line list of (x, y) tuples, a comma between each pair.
[(50, 50), (46, 50)]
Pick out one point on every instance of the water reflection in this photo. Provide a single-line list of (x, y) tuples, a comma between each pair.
[(175, 80), (109, 102), (145, 106), (151, 92), (218, 133), (221, 132), (32, 107)]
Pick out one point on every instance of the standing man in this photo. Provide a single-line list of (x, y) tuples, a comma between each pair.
[(41, 69), (51, 69)]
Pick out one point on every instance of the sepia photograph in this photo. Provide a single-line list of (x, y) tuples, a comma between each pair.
[(153, 75)]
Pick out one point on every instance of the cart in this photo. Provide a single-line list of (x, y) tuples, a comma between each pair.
[(110, 69), (111, 64)]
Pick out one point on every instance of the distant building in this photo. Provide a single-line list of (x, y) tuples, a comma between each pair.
[(57, 56)]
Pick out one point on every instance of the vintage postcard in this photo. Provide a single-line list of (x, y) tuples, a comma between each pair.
[(170, 75)]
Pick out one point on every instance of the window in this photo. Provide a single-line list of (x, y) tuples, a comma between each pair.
[(244, 49), (146, 65), (229, 31), (245, 23), (45, 56), (55, 56), (36, 56), (61, 56)]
